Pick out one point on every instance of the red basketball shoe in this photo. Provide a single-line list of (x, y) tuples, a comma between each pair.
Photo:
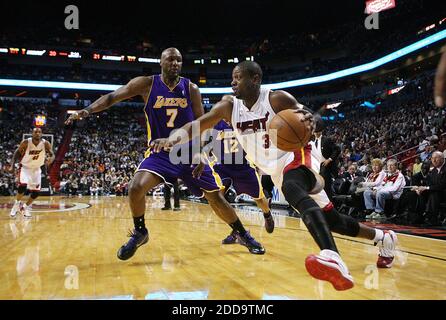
[(328, 266), (387, 246)]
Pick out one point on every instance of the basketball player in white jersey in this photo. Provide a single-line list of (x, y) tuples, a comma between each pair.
[(295, 174), (32, 153)]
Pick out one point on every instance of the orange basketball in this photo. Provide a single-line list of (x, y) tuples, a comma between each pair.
[(288, 132)]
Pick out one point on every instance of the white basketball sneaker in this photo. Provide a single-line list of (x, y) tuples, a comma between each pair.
[(27, 211), (15, 208), (328, 266), (387, 246)]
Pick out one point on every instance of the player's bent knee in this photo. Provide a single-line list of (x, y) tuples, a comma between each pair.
[(136, 189), (34, 194), (142, 182)]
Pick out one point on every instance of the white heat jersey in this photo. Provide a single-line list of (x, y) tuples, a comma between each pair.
[(251, 129), (34, 155)]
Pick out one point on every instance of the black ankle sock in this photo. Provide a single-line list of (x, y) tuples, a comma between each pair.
[(237, 226), (140, 224)]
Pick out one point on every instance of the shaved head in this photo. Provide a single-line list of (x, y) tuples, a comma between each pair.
[(246, 80), (251, 68), (37, 133), (170, 51)]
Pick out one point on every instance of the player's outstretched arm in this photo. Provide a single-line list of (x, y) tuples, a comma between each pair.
[(440, 83), (136, 87), (222, 110), (18, 153)]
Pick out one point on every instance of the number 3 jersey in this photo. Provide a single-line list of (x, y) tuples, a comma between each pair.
[(252, 132), (251, 129), (34, 156)]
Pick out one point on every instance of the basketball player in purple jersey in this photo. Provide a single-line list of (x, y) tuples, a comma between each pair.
[(228, 159), (171, 101)]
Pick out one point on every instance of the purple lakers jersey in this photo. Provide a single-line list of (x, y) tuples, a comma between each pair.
[(167, 110), (226, 147)]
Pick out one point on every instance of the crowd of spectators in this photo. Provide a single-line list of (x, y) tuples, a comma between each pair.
[(385, 148), (402, 126), (104, 152)]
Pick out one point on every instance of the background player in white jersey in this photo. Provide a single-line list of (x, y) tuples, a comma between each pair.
[(296, 174), (32, 153)]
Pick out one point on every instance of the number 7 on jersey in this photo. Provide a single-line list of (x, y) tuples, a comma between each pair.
[(172, 113)]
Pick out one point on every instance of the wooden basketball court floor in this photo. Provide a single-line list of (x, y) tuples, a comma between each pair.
[(68, 251)]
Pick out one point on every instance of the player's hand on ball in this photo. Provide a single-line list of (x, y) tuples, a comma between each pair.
[(308, 117), (160, 144), (307, 114), (78, 115)]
